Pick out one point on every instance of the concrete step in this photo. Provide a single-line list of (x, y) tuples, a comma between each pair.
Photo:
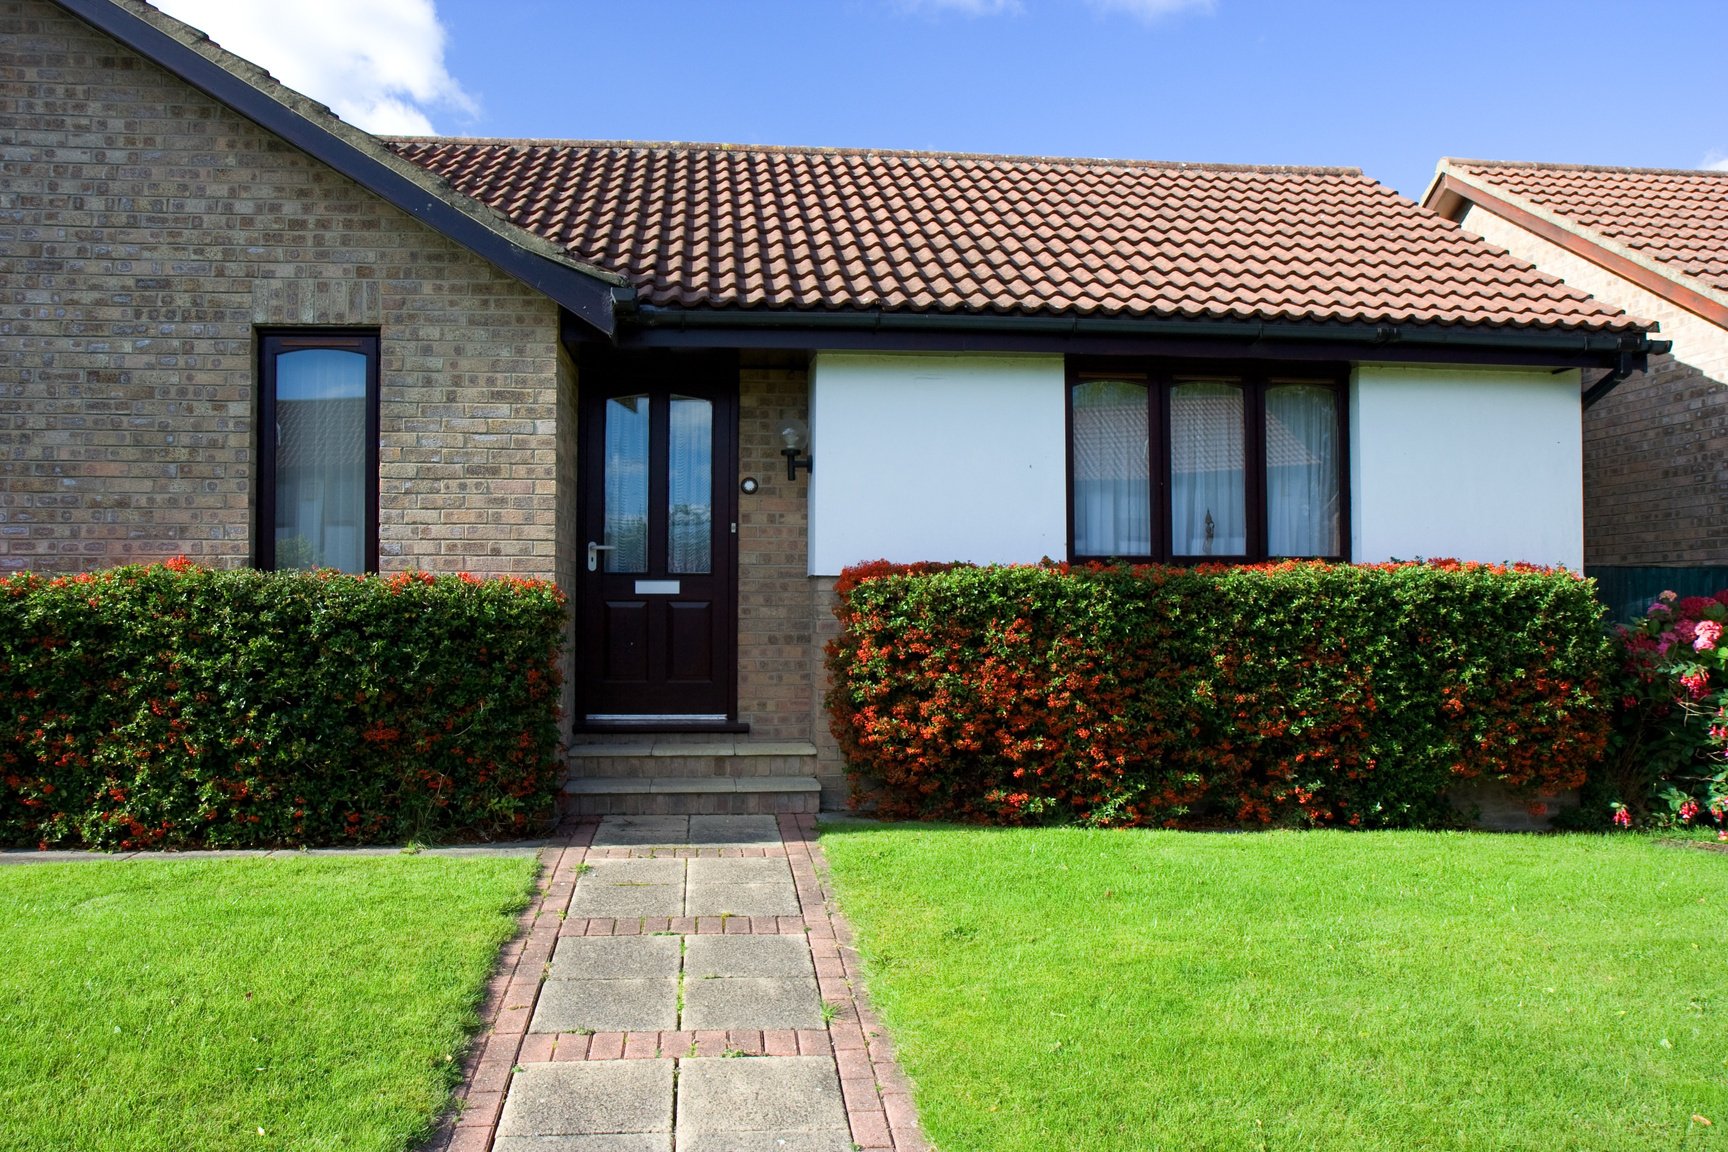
[(689, 795), (711, 757)]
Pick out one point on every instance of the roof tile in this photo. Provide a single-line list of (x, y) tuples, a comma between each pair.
[(723, 227), (1678, 218)]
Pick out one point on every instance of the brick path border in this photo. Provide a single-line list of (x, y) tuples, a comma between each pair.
[(876, 1092)]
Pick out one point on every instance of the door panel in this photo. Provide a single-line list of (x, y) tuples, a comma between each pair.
[(657, 558)]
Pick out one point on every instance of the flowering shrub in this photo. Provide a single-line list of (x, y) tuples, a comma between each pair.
[(1669, 760), (1296, 692), (175, 706)]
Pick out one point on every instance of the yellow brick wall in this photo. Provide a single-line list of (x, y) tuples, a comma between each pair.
[(146, 234)]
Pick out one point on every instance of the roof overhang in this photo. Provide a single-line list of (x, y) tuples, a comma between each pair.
[(585, 293), (1452, 193), (657, 327)]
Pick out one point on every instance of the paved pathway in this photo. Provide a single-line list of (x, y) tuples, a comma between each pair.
[(683, 984)]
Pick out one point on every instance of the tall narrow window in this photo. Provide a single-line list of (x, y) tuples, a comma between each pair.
[(1302, 470), (1112, 499), (1208, 508), (625, 530), (318, 452)]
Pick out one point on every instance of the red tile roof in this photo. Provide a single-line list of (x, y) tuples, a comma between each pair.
[(710, 226), (1677, 218)]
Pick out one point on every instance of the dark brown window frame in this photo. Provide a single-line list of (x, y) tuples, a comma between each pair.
[(1256, 376), (271, 344)]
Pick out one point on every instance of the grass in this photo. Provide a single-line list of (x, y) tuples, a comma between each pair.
[(258, 1004), (1316, 991)]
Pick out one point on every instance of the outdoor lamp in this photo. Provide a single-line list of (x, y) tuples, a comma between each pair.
[(796, 436)]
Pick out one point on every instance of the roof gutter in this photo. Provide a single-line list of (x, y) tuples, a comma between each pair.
[(1564, 347), (1615, 375)]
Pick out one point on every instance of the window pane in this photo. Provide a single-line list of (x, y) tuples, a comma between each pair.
[(1208, 514), (1112, 499), (321, 459), (1302, 471), (626, 526), (690, 486)]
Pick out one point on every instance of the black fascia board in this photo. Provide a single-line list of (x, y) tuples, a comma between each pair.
[(585, 296), (648, 326)]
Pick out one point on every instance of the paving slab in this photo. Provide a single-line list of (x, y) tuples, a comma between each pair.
[(741, 900), (778, 1102), (641, 831), (732, 957), (617, 958), (740, 870), (589, 1098), (734, 831), (607, 1006), (623, 888), (750, 1003), (624, 1142)]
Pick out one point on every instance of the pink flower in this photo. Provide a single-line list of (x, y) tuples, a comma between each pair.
[(1622, 818), (1669, 596), (1688, 810), (1708, 632), (1697, 683)]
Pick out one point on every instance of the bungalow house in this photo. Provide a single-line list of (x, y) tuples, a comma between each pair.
[(1654, 243), (691, 382)]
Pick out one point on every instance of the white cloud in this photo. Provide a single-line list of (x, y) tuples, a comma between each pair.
[(1716, 160), (1151, 10), (378, 63)]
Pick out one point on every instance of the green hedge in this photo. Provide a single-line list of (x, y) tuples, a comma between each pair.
[(1289, 693), (174, 706)]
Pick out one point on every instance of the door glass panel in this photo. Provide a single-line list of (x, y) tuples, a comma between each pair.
[(1302, 470), (321, 459), (1112, 495), (1208, 513), (626, 486), (690, 487)]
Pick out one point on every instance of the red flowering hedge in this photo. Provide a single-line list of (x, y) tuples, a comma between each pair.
[(1296, 692), (175, 706)]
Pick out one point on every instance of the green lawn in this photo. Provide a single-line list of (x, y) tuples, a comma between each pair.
[(1061, 988), (187, 1005)]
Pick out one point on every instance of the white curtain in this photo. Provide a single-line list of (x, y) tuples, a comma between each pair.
[(1112, 498), (321, 459), (1208, 515), (690, 486), (1302, 471), (626, 524)]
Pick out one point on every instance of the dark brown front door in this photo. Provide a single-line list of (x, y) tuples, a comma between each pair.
[(656, 556)]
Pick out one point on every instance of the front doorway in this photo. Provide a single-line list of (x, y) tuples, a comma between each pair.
[(657, 550)]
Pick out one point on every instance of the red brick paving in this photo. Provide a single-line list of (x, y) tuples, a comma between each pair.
[(876, 1092)]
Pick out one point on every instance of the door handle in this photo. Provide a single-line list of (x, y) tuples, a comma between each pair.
[(594, 551)]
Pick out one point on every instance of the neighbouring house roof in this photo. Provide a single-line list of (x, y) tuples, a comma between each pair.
[(699, 226), (1664, 229), (253, 93)]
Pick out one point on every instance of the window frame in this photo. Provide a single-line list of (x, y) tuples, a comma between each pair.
[(1255, 376), (272, 343)]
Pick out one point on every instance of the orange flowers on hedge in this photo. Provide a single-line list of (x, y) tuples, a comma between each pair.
[(176, 706), (1288, 693)]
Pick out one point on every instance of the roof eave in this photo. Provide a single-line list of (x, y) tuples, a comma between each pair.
[(656, 326), (585, 293)]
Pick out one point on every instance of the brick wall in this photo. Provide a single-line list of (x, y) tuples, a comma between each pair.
[(774, 656), (1656, 470), (146, 233)]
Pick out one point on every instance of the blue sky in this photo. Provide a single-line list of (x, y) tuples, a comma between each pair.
[(1387, 87)]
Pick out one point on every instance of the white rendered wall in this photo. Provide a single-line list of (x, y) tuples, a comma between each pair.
[(1473, 463), (936, 457), (1697, 341)]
